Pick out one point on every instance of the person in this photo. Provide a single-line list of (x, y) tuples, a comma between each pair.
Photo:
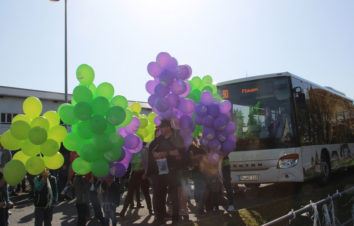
[(5, 203), (226, 176), (45, 196), (137, 180), (5, 157), (94, 185), (110, 199), (167, 155), (81, 188)]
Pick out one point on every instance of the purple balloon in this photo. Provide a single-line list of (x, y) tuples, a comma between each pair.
[(225, 106), (154, 69), (185, 122), (172, 65), (157, 120), (162, 104), (133, 125), (179, 87), (118, 169), (152, 100), (167, 114), (222, 136), (221, 122), (198, 120), (188, 89), (161, 90), (137, 148), (228, 146), (150, 86), (206, 97), (131, 141), (204, 141), (127, 159), (173, 99), (163, 59), (184, 72), (208, 121), (214, 145), (209, 133), (188, 140), (201, 110), (186, 105), (230, 128), (122, 132), (213, 157), (166, 78), (213, 110)]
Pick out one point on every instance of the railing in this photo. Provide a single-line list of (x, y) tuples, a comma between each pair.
[(329, 215)]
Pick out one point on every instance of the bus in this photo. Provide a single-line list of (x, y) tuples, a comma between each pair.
[(288, 129)]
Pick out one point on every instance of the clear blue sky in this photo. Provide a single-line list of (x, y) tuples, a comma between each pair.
[(224, 38)]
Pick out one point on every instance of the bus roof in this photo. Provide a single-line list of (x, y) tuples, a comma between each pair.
[(281, 74)]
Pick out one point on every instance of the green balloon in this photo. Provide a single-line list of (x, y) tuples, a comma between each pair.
[(83, 111), (37, 135), (102, 142), (82, 94), (113, 155), (67, 115), (9, 142), (84, 130), (110, 129), (98, 124), (53, 118), (100, 168), (73, 142), (14, 172), (29, 148), (50, 147), (54, 162), (20, 129), (208, 88), (89, 153), (195, 82), (120, 101), (143, 122), (117, 140), (41, 122), (100, 106), (85, 74), (35, 165), (105, 89), (128, 118), (92, 87), (21, 157), (116, 115), (81, 166), (207, 79)]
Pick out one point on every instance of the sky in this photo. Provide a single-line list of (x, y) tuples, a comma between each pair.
[(226, 39)]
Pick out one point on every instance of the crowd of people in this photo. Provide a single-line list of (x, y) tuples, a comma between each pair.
[(164, 165)]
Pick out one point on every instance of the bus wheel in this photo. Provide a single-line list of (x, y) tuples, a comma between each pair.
[(325, 168)]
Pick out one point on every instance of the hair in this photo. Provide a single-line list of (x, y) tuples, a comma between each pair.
[(1, 175)]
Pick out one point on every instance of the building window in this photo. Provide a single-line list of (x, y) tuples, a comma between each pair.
[(9, 118), (3, 117)]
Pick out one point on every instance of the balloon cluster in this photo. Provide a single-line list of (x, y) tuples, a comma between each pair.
[(95, 115), (147, 127), (198, 85), (218, 130), (39, 139), (168, 91)]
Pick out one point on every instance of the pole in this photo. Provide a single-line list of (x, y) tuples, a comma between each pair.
[(66, 53)]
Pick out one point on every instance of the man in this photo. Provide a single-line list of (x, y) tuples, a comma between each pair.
[(45, 195), (167, 151)]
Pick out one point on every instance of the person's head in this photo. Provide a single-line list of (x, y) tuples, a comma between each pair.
[(165, 127), (45, 172), (2, 181)]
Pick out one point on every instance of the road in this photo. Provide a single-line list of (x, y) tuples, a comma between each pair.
[(253, 206)]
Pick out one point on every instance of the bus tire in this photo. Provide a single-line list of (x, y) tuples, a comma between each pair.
[(325, 168)]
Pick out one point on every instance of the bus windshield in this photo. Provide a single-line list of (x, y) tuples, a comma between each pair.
[(262, 112)]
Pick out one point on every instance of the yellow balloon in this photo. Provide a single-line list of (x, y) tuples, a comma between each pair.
[(14, 172), (135, 107), (57, 133), (32, 107), (35, 165), (29, 148), (52, 117), (21, 117), (21, 157), (9, 142), (54, 162), (41, 122)]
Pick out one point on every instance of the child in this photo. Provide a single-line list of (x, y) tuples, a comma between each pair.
[(110, 199), (45, 195)]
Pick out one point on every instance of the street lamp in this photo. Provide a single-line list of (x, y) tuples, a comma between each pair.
[(65, 49)]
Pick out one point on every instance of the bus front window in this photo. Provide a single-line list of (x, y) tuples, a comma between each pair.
[(263, 115)]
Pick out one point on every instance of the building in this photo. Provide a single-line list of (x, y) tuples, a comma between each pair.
[(11, 100)]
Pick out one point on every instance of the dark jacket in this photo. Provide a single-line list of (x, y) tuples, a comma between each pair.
[(41, 195), (82, 190), (111, 193), (5, 157)]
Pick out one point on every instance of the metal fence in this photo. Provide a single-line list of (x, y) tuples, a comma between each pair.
[(329, 217)]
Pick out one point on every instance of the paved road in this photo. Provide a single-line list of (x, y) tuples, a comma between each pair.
[(268, 196)]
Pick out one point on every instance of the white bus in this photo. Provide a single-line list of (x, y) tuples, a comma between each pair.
[(288, 129)]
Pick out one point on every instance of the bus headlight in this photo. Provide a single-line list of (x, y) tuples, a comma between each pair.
[(288, 161)]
